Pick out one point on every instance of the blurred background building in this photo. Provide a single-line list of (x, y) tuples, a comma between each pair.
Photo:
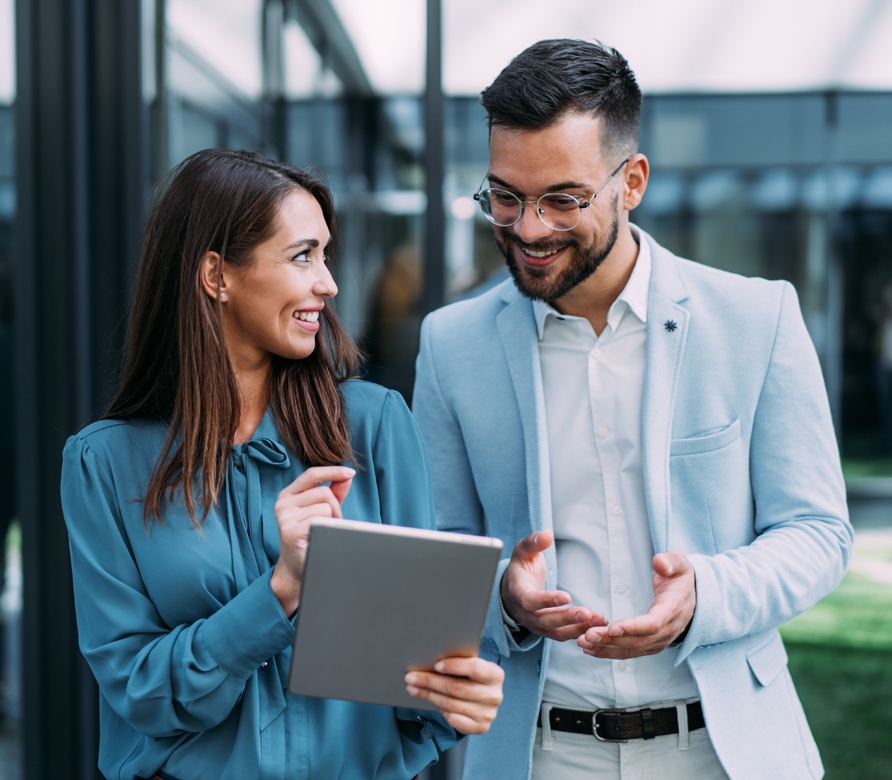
[(767, 125)]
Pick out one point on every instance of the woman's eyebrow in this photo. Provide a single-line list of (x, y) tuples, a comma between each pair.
[(304, 242)]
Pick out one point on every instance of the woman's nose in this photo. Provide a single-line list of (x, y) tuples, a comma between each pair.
[(325, 283)]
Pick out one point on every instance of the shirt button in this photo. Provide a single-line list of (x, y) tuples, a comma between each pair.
[(602, 432), (617, 510), (622, 666), (596, 352), (621, 588)]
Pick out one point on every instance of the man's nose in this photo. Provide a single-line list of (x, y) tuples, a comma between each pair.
[(530, 228)]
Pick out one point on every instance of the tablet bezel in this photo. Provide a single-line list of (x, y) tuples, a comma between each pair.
[(379, 600)]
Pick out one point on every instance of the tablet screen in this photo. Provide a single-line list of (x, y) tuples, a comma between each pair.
[(379, 600)]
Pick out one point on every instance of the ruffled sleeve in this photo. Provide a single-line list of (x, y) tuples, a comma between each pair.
[(164, 679)]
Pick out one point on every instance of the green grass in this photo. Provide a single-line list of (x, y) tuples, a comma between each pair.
[(846, 695), (882, 555), (867, 467), (13, 540), (858, 614), (841, 661)]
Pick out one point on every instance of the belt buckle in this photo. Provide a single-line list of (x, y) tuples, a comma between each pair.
[(617, 710)]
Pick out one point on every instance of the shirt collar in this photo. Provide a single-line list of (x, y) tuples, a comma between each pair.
[(633, 297)]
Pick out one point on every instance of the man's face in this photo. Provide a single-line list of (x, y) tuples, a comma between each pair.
[(546, 264)]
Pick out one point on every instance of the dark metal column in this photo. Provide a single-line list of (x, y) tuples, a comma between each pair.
[(81, 185), (435, 232), (434, 267)]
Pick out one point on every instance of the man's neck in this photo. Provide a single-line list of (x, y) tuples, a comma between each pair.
[(593, 298)]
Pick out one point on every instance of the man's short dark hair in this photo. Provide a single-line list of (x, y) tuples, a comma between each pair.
[(555, 77)]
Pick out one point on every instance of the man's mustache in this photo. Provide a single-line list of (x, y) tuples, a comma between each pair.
[(540, 246)]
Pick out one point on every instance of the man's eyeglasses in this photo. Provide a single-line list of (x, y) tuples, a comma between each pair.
[(557, 210)]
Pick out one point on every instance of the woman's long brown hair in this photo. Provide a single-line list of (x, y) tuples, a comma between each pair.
[(176, 366)]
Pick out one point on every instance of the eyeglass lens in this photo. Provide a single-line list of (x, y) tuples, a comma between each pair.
[(556, 210)]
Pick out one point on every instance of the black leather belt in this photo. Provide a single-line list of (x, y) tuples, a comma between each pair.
[(616, 725)]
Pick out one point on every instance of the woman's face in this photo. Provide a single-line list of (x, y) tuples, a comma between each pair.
[(273, 305)]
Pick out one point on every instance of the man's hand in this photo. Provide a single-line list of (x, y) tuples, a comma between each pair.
[(467, 691), (547, 613), (670, 613)]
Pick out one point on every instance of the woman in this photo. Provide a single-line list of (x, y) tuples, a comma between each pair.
[(188, 504)]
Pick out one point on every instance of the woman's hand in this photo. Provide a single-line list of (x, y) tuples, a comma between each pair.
[(305, 498), (467, 691)]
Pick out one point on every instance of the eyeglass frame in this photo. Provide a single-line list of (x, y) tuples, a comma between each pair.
[(582, 204)]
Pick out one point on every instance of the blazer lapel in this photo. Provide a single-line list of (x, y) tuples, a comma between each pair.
[(667, 328), (517, 329)]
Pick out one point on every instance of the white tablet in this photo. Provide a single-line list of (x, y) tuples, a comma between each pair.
[(379, 600)]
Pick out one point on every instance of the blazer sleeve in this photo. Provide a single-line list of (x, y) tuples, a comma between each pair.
[(803, 536), (455, 496), (456, 499)]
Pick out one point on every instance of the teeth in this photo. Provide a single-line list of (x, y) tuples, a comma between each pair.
[(531, 253), (306, 316)]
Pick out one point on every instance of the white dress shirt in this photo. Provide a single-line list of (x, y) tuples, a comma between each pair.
[(593, 388)]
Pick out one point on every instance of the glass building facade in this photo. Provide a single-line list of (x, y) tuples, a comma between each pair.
[(99, 99)]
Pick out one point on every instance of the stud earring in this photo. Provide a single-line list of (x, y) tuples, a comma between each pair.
[(222, 296)]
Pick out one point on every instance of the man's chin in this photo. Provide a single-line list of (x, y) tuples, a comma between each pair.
[(532, 283)]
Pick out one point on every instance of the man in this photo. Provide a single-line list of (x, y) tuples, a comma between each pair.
[(650, 436)]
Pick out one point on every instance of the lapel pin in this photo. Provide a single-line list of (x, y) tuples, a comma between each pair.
[(670, 326)]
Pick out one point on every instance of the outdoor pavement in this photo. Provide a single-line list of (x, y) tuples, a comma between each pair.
[(870, 508)]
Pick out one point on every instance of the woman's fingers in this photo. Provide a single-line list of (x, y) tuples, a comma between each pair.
[(309, 490), (467, 691), (318, 475), (301, 504), (306, 497)]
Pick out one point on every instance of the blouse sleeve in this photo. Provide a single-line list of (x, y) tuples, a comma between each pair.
[(401, 467), (163, 680)]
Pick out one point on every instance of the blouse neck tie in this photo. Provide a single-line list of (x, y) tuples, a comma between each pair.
[(254, 479)]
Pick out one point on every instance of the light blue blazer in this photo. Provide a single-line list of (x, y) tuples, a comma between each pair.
[(741, 472)]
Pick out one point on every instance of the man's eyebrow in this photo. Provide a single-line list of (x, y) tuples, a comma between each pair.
[(559, 187)]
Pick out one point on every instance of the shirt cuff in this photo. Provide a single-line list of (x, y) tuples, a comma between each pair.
[(518, 632)]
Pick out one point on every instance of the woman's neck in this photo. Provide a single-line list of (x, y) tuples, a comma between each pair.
[(254, 400)]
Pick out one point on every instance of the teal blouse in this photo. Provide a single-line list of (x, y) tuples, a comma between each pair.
[(182, 631)]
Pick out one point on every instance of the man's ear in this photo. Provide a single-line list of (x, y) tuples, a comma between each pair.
[(637, 171), (213, 281)]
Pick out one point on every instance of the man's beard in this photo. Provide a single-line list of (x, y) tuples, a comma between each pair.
[(542, 284)]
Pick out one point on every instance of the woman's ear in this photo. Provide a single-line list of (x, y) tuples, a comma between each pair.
[(212, 280), (637, 171)]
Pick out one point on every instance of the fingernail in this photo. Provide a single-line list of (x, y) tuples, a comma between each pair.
[(413, 691), (439, 666), (411, 678)]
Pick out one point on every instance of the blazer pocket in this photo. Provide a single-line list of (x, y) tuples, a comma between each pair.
[(708, 442), (709, 491), (768, 660)]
